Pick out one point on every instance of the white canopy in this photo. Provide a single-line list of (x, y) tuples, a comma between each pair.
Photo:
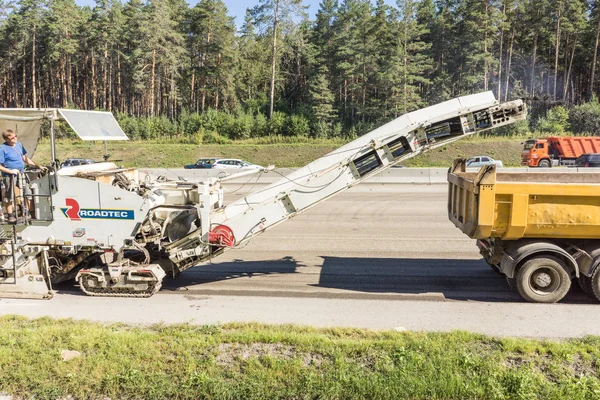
[(88, 125), (94, 125)]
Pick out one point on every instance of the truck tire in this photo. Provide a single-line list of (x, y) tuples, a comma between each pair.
[(585, 283), (595, 283), (544, 164), (543, 279)]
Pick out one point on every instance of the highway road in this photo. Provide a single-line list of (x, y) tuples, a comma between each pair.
[(377, 256)]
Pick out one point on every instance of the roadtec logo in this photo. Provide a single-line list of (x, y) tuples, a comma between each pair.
[(74, 213)]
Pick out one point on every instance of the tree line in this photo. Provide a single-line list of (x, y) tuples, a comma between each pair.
[(357, 64)]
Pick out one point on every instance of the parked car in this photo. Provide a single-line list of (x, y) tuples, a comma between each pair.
[(480, 161), (71, 162), (588, 160), (233, 163), (202, 163)]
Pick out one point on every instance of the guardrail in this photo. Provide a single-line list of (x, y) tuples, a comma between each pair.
[(426, 176)]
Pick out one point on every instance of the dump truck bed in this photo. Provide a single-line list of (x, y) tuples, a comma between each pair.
[(573, 147), (512, 206)]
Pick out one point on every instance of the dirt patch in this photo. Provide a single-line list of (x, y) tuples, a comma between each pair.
[(580, 368), (577, 368), (515, 362), (229, 353)]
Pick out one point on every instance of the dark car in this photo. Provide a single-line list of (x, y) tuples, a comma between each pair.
[(588, 160), (201, 163), (71, 162)]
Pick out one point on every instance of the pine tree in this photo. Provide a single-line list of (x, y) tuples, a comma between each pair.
[(322, 32), (535, 18), (133, 63), (476, 30), (352, 58), (408, 64), (381, 45), (574, 25), (442, 32), (595, 18), (162, 48), (252, 70), (26, 24), (211, 49), (322, 102), (276, 14), (426, 19), (61, 45)]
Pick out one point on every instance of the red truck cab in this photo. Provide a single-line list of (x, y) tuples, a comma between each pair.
[(534, 151)]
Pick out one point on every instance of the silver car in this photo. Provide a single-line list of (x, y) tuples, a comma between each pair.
[(480, 161), (233, 163)]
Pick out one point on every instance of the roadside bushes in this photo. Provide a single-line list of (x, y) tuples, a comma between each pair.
[(518, 129), (298, 126), (240, 127), (556, 121), (277, 123), (585, 118), (217, 127)]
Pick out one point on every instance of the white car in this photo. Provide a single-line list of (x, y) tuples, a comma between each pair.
[(480, 161), (233, 163)]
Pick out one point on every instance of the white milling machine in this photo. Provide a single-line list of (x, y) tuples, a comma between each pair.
[(119, 236)]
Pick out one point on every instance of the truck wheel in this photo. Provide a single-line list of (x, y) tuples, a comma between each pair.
[(543, 279), (591, 284), (544, 164), (595, 283), (585, 283)]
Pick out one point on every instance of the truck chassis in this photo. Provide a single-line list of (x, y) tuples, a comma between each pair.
[(539, 230)]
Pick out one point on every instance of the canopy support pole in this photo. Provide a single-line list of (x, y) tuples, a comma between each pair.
[(106, 155), (53, 144)]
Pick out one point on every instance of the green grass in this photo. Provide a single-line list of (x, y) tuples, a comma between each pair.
[(508, 151), (176, 155), (252, 361), (277, 150)]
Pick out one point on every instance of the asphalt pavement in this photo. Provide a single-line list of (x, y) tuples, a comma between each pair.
[(377, 256)]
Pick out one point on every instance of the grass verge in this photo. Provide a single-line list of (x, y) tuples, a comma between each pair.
[(144, 154), (176, 155), (252, 361)]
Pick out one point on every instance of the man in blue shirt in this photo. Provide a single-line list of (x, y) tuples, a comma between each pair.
[(13, 158)]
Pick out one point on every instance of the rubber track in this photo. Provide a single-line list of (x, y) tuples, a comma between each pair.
[(110, 292)]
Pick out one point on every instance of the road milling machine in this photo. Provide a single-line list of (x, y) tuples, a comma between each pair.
[(119, 235)]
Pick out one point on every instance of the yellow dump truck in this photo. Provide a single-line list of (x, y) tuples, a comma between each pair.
[(540, 230)]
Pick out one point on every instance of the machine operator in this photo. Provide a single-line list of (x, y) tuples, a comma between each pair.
[(13, 158)]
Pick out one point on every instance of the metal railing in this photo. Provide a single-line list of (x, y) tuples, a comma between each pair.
[(20, 208), (21, 202)]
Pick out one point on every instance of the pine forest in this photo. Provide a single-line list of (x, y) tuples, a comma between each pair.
[(168, 68)]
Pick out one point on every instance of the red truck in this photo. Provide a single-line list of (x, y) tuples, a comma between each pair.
[(555, 151)]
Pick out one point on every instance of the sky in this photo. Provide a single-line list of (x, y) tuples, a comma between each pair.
[(237, 8)]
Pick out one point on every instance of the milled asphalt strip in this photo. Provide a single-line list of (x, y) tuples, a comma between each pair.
[(460, 295), (497, 319)]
